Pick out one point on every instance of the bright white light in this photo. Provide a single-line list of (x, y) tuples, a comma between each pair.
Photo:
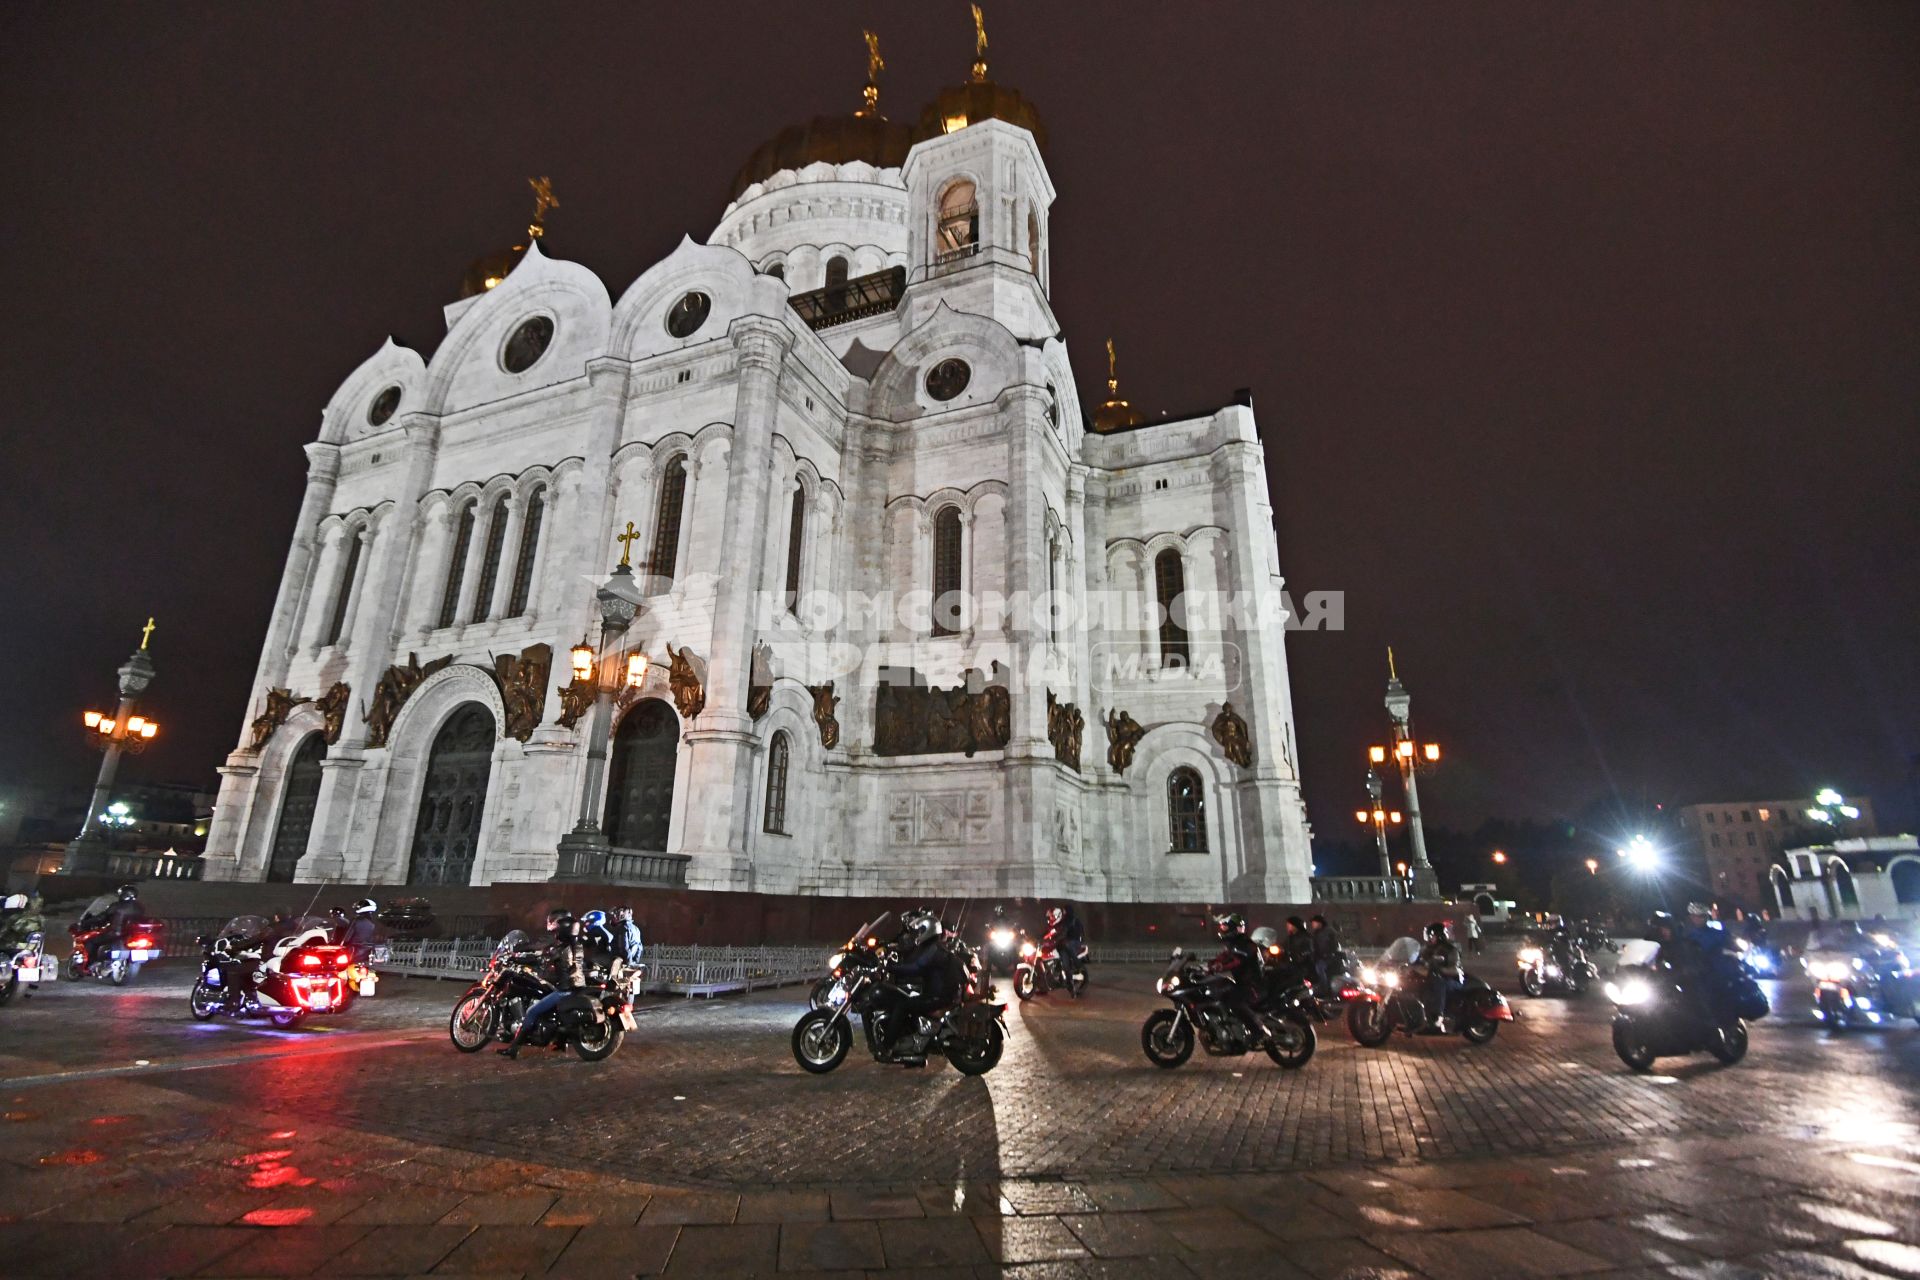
[(1641, 853), (1827, 796)]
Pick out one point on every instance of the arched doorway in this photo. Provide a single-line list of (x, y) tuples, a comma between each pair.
[(299, 793), (1905, 875), (1782, 889), (1847, 896), (640, 790), (447, 834)]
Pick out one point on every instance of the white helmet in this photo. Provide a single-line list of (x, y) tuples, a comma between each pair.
[(365, 907), (1265, 937), (14, 902), (922, 925)]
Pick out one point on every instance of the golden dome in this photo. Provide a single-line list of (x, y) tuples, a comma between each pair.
[(970, 103), (485, 273), (872, 139), (1116, 413)]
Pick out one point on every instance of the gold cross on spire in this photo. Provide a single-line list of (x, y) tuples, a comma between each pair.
[(146, 633), (543, 200), (875, 65), (1113, 379), (626, 541), (979, 46), (1391, 673)]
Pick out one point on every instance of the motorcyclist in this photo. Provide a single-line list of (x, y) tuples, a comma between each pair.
[(632, 945), (1440, 960), (923, 977), (1069, 939), (566, 954), (1241, 962), (361, 927), (1326, 950), (23, 920), (1562, 947), (125, 912), (602, 946)]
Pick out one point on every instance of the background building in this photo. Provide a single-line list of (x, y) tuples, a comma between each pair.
[(1738, 841)]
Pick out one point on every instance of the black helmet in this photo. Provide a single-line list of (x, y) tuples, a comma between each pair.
[(1437, 931), (1317, 920), (559, 921), (1296, 924), (1660, 927), (127, 893), (1229, 923), (365, 907)]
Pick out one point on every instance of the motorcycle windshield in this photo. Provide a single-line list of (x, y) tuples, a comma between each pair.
[(867, 928), (1403, 951), (248, 927), (99, 906), (1638, 952), (514, 941)]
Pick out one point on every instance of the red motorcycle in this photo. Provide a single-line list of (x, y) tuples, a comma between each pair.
[(1041, 969), (113, 959)]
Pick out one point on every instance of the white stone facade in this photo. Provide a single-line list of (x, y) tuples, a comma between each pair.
[(756, 406)]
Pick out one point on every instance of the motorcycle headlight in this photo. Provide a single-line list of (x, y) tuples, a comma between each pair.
[(1370, 977), (1633, 991), (1391, 979), (1001, 937), (835, 960), (1530, 956), (1169, 983), (1028, 951)]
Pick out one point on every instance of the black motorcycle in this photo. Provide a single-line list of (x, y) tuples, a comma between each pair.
[(1389, 997), (1203, 1014), (1005, 942), (494, 1007), (1541, 970), (1863, 991), (862, 951), (971, 1034), (1655, 1016)]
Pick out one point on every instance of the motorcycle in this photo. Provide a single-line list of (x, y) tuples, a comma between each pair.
[(495, 1006), (247, 973), (1389, 997), (1005, 944), (23, 965), (143, 940), (1655, 1017), (1540, 971), (862, 951), (1852, 991), (1042, 969), (970, 1034), (1202, 1013)]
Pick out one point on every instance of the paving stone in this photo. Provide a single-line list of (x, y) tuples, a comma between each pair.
[(1475, 1255), (1785, 1265), (415, 1206), (680, 1208), (831, 1246), (502, 1208), (966, 1200), (1118, 1197), (1161, 1268), (932, 1242), (1618, 1243), (512, 1250), (855, 1205), (1346, 1259), (590, 1208), (783, 1206), (1890, 1256), (398, 1250), (598, 1251), (1028, 1239), (1423, 1209), (1046, 1197), (1212, 1230), (1121, 1235), (170, 1251), (713, 1250), (289, 1251)]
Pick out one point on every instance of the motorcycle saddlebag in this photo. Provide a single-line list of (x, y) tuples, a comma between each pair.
[(1750, 1001)]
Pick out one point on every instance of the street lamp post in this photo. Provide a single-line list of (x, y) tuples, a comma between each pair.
[(584, 850), (121, 732), (1409, 755), (1378, 817)]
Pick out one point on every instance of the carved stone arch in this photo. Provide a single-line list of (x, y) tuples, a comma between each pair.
[(1172, 746), (263, 821), (722, 272), (465, 369), (986, 344), (345, 417), (408, 751), (1162, 541)]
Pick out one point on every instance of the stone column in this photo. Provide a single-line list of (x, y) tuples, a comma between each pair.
[(318, 604), (509, 557), (297, 581), (1025, 409), (721, 741), (420, 607)]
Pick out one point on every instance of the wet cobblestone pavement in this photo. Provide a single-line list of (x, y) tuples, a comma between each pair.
[(136, 1142)]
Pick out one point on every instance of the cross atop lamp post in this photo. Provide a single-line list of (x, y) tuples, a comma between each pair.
[(583, 851), (123, 731)]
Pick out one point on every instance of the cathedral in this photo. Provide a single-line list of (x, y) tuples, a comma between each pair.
[(909, 618)]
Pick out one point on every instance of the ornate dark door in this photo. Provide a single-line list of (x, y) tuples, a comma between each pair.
[(640, 791), (451, 803), (298, 797)]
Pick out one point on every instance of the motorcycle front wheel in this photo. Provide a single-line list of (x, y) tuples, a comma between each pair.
[(72, 969), (600, 1041), (202, 1001), (6, 992), (471, 1025), (1477, 1029), (1167, 1038), (1729, 1043), (976, 1056), (1369, 1022), (820, 1041), (1632, 1047), (1532, 983), (1292, 1044), (1023, 984)]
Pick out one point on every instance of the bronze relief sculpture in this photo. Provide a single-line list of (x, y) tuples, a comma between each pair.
[(395, 687), (280, 705), (1123, 736), (1230, 731), (760, 683), (689, 692), (913, 718), (332, 706), (823, 707), (523, 687), (576, 699), (1065, 725)]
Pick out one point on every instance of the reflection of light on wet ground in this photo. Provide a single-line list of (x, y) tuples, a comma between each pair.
[(1846, 1219), (1883, 1162), (1866, 1112)]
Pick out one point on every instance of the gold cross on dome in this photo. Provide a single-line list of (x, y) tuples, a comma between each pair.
[(979, 44), (146, 633), (626, 541), (543, 200), (875, 65)]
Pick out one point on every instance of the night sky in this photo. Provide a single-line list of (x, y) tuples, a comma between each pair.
[(1583, 337)]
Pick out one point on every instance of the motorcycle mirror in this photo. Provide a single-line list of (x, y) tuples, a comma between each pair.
[(1177, 953)]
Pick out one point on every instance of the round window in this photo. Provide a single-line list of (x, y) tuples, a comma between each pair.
[(688, 314), (948, 379), (528, 343), (383, 406)]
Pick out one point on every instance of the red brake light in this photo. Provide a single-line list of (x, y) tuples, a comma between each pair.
[(342, 960), (139, 944), (309, 961)]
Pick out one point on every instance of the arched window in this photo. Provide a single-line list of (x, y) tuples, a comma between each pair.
[(457, 564), (1033, 241), (778, 271), (1843, 883), (837, 282), (959, 230), (343, 596), (1905, 875), (490, 563), (1782, 889), (947, 603), (1186, 811), (1169, 584), (529, 549), (796, 542), (779, 753), (666, 527)]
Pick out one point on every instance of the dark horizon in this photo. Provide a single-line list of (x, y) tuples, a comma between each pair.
[(1583, 342)]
